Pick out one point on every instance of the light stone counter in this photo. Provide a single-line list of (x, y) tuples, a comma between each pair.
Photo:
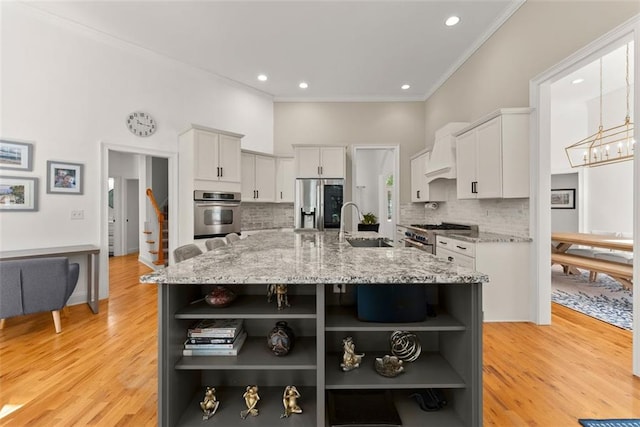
[(487, 237), (311, 258)]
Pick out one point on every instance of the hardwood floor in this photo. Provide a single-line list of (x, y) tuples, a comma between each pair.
[(102, 369)]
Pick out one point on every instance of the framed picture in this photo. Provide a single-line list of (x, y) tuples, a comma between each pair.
[(18, 193), (16, 155), (64, 178), (563, 198)]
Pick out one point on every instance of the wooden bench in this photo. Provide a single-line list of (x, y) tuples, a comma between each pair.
[(623, 273)]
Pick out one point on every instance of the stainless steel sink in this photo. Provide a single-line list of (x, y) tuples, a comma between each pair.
[(369, 243)]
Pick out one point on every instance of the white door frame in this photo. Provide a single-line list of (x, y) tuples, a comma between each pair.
[(540, 132), (172, 166), (396, 177)]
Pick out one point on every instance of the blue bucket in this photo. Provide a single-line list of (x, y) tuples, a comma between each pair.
[(391, 303)]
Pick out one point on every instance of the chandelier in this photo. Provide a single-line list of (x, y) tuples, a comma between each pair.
[(611, 145)]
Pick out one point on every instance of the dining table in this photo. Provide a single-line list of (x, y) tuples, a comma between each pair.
[(562, 241)]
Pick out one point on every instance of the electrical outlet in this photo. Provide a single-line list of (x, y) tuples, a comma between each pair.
[(79, 214), (339, 289)]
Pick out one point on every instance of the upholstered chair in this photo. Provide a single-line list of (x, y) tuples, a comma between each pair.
[(186, 251), (216, 242), (232, 237), (36, 285)]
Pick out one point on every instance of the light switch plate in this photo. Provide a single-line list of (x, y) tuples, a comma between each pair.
[(77, 214)]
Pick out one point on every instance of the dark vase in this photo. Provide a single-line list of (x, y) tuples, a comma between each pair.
[(220, 297), (368, 227), (281, 338)]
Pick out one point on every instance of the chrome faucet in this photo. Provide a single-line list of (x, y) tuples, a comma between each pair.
[(341, 233)]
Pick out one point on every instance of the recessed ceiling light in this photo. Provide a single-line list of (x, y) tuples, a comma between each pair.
[(262, 77), (303, 85), (451, 21), (405, 86), (577, 81)]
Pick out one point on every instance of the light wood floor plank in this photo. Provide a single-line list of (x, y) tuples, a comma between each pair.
[(101, 370)]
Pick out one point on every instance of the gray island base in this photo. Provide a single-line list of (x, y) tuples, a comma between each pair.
[(310, 263)]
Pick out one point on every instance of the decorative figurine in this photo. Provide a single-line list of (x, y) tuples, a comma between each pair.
[(350, 360), (209, 405), (290, 401), (281, 339), (389, 366), (251, 400), (405, 345), (280, 290)]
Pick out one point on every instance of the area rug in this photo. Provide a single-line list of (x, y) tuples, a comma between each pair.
[(604, 299), (626, 422)]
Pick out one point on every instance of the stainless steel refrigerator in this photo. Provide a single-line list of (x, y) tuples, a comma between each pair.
[(317, 203)]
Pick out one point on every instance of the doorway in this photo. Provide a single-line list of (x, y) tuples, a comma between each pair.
[(131, 170), (540, 137), (375, 183)]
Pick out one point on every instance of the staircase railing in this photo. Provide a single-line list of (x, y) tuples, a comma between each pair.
[(160, 215)]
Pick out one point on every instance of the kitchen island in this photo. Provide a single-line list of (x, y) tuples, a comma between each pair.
[(310, 263)]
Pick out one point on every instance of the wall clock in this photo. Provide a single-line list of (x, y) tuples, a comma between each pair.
[(141, 124)]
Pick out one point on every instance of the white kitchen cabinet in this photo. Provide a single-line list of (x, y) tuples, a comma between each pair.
[(492, 156), (258, 177), (507, 296), (208, 160), (285, 179), (421, 191), (320, 161), (216, 156)]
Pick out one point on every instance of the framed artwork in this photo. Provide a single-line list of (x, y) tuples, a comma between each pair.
[(18, 193), (16, 155), (563, 198), (64, 178)]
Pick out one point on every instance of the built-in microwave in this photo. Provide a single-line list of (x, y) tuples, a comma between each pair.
[(215, 213)]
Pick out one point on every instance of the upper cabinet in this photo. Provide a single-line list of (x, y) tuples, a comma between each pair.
[(211, 158), (285, 179), (421, 190), (492, 156), (258, 177), (320, 161)]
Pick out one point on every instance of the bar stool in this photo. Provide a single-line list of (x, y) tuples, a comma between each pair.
[(232, 237), (216, 242)]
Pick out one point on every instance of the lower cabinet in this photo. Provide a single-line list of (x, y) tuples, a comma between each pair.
[(451, 357), (507, 295)]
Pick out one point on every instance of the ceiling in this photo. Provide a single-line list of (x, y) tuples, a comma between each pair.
[(345, 51)]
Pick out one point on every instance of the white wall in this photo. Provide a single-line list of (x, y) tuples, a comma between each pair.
[(66, 89), (367, 123)]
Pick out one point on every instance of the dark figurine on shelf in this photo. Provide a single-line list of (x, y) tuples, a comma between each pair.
[(290, 398), (209, 405), (281, 339), (251, 398), (280, 291), (350, 360)]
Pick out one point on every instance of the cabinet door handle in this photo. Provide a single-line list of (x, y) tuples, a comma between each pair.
[(321, 170), (218, 171), (418, 194), (442, 243), (461, 247), (318, 170), (221, 172), (450, 258), (257, 194), (281, 195)]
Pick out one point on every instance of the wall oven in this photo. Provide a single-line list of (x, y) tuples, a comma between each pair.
[(215, 213)]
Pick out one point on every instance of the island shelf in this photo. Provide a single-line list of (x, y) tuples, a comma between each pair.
[(451, 358)]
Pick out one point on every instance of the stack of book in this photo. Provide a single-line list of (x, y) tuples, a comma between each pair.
[(215, 337)]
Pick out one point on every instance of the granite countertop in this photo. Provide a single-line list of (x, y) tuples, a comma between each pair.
[(487, 237), (311, 258)]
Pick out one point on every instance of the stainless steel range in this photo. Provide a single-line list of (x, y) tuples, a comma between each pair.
[(423, 236)]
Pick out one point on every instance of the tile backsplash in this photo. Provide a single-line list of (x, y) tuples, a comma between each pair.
[(259, 216), (505, 216)]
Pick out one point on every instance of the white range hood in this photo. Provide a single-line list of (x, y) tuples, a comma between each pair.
[(442, 163)]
